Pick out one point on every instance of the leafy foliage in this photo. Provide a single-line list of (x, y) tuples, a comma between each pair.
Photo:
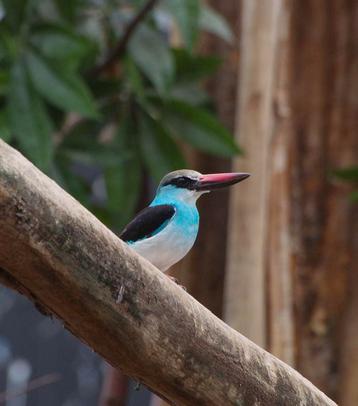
[(349, 174), (97, 133)]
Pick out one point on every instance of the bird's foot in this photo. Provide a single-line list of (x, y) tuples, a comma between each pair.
[(175, 280)]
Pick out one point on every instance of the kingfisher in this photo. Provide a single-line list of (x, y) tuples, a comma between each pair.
[(166, 230)]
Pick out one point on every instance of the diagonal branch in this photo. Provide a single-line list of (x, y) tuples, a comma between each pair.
[(118, 51), (9, 281), (63, 258)]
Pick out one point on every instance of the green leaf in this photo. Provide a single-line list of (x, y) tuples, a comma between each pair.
[(354, 196), (135, 81), (348, 174), (10, 46), (5, 133), (72, 183), (152, 55), (63, 45), (199, 128), (82, 144), (160, 153), (4, 81), (104, 156), (43, 10), (186, 13), (68, 9), (213, 22), (191, 68), (63, 89), (190, 93), (123, 183), (15, 11), (28, 119), (123, 180)]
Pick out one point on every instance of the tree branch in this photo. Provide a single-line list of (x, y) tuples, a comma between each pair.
[(71, 264), (120, 48)]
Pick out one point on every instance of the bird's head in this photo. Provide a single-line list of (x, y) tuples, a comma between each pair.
[(189, 185)]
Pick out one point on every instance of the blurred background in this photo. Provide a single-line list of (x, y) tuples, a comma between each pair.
[(106, 96)]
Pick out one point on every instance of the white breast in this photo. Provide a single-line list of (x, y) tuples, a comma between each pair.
[(167, 247)]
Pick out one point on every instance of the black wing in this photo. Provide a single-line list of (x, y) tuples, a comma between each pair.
[(147, 222)]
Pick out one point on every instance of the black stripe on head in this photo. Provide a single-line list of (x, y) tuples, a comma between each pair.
[(183, 182)]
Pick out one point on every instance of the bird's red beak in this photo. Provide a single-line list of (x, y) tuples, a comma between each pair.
[(219, 180)]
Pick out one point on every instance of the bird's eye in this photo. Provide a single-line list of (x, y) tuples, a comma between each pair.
[(183, 182)]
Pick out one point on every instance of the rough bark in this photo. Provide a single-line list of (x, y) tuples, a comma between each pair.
[(123, 307), (280, 325), (245, 278), (348, 377), (323, 93), (297, 120)]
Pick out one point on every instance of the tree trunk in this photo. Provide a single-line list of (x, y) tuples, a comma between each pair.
[(323, 95), (245, 295), (59, 255), (348, 377), (291, 243)]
